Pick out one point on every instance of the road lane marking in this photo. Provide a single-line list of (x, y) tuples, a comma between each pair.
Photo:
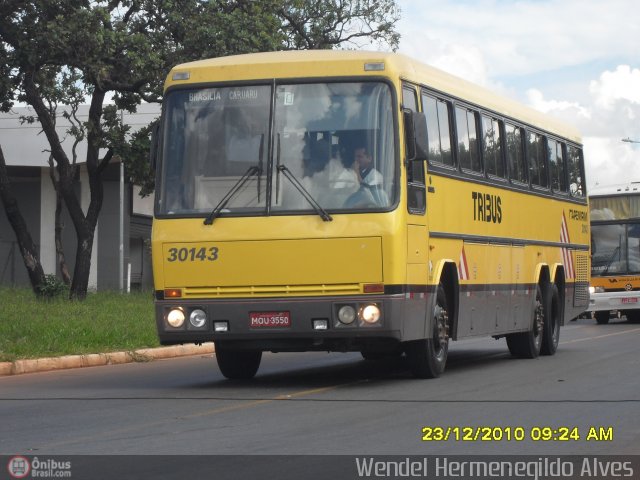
[(600, 336), (255, 403)]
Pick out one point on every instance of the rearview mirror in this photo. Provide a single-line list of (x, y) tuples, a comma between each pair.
[(415, 129)]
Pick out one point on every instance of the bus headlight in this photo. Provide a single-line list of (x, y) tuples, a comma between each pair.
[(346, 314), (198, 318), (593, 290), (370, 314), (176, 317)]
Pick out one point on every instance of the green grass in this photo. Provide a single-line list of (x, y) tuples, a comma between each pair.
[(104, 322)]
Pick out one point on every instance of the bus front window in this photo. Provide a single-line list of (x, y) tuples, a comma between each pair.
[(212, 137), (335, 139)]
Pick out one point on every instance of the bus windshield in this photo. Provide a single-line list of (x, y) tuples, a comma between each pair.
[(615, 249), (615, 235), (259, 149)]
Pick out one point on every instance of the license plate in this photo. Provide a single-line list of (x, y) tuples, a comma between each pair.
[(269, 319), (629, 300)]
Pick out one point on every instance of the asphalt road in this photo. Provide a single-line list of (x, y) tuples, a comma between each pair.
[(318, 403)]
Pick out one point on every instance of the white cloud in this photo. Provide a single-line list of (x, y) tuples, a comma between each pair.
[(610, 161), (622, 84), (560, 108), (465, 62), (521, 37)]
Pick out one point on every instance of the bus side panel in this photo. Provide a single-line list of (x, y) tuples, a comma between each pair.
[(499, 238)]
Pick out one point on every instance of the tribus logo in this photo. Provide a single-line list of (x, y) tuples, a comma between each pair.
[(19, 467)]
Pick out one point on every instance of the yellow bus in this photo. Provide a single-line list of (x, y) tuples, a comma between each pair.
[(615, 251), (359, 201)]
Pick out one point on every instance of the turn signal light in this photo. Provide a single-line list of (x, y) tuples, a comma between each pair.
[(172, 293), (373, 288)]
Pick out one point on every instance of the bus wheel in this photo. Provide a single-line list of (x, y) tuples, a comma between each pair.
[(238, 364), (552, 317), (427, 357), (602, 318), (528, 344), (633, 316)]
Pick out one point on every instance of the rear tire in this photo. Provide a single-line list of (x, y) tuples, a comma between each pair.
[(428, 357), (238, 364), (552, 321), (528, 344), (602, 318)]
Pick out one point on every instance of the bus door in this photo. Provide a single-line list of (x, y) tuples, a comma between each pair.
[(417, 234)]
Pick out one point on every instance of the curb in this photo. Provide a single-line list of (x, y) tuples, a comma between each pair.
[(19, 367)]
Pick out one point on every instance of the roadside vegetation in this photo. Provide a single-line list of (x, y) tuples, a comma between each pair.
[(105, 322)]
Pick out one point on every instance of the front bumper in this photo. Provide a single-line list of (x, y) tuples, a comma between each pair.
[(624, 300), (300, 334)]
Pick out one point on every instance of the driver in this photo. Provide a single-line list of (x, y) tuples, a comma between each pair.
[(371, 192)]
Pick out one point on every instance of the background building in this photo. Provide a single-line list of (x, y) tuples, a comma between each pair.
[(121, 255)]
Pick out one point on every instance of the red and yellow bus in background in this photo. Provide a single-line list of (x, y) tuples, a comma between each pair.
[(615, 251), (361, 201)]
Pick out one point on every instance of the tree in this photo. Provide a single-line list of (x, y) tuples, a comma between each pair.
[(27, 246), (66, 52), (326, 24)]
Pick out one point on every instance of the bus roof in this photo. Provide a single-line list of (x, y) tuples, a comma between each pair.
[(626, 188), (345, 63)]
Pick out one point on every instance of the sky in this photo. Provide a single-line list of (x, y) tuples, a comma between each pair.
[(578, 60)]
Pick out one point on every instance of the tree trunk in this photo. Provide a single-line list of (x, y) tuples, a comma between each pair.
[(28, 249), (81, 271), (62, 261), (85, 225), (84, 229)]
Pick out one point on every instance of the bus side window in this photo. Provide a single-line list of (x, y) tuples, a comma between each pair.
[(416, 189), (576, 169), (467, 148), (537, 164), (438, 130), (492, 147), (515, 154), (557, 166)]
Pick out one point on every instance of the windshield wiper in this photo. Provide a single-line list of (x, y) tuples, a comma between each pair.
[(611, 259), (312, 201), (216, 211)]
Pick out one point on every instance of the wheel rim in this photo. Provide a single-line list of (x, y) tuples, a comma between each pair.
[(538, 321), (555, 318)]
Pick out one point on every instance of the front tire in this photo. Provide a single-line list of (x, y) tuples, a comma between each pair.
[(238, 364), (633, 316), (428, 357), (528, 344), (602, 318)]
